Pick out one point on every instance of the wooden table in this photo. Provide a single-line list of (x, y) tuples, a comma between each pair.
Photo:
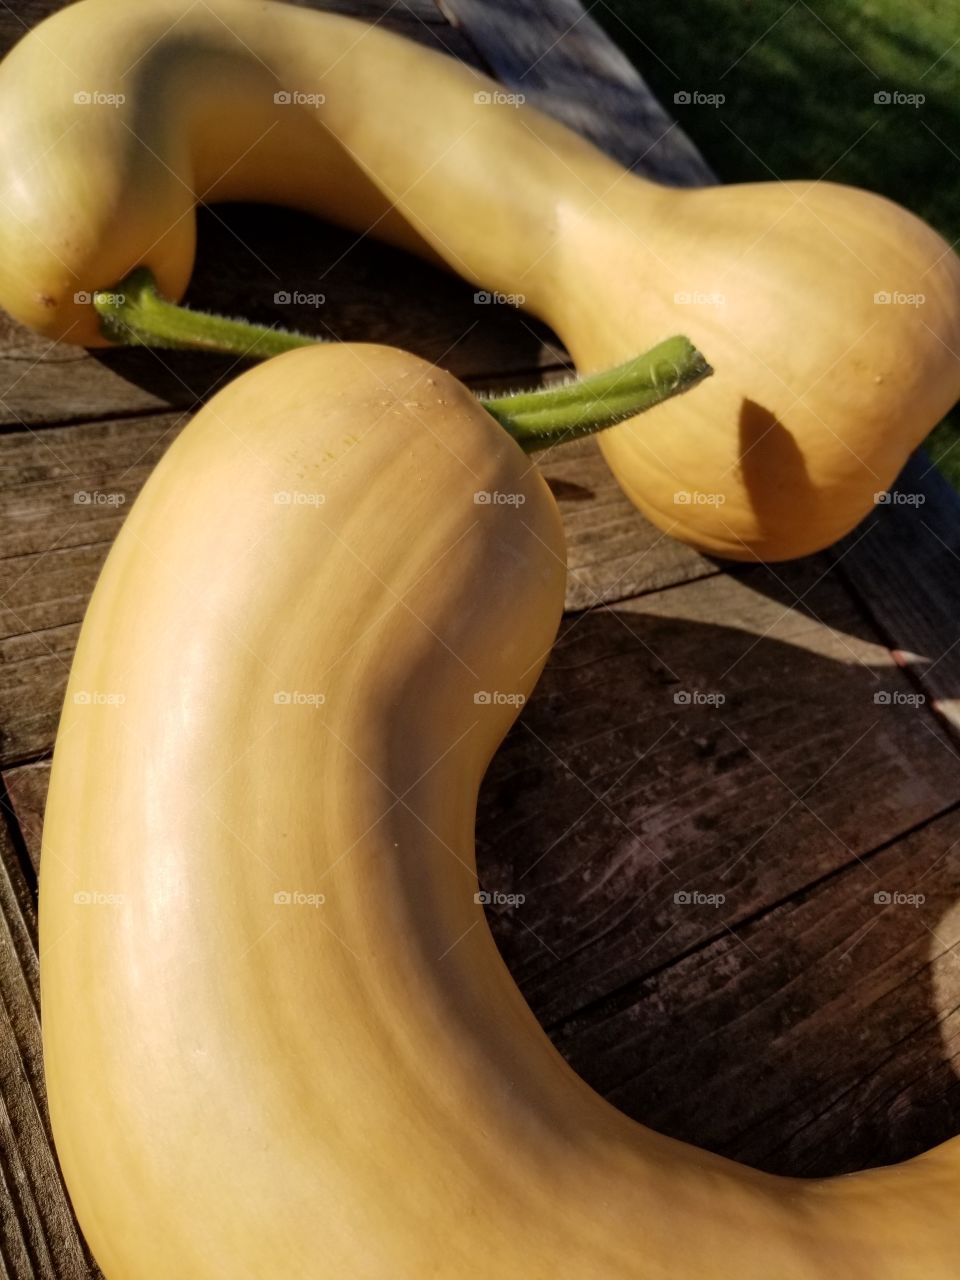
[(798, 1024)]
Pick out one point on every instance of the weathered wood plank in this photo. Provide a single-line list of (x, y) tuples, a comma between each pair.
[(822, 1037), (63, 494), (611, 795), (904, 564), (613, 553), (38, 1235), (26, 799), (560, 59)]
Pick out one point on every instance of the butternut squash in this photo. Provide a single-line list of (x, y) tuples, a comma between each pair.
[(118, 118), (279, 1039)]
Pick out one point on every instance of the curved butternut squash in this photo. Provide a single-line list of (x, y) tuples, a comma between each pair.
[(279, 1039), (820, 392)]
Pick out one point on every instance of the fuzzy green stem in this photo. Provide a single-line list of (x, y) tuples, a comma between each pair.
[(134, 313), (538, 419)]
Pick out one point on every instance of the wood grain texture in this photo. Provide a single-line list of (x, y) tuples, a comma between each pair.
[(904, 564), (707, 739), (561, 60), (613, 553), (25, 800), (63, 494), (821, 1036), (38, 1235)]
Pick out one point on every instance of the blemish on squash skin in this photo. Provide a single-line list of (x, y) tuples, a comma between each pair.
[(46, 300)]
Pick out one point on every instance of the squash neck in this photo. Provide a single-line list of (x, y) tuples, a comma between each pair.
[(617, 273)]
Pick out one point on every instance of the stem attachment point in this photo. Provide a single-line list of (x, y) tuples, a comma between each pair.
[(134, 313), (538, 419)]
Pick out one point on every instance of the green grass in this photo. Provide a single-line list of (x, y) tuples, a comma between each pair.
[(799, 81)]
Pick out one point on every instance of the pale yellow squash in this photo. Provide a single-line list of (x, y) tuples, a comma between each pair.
[(280, 1043), (820, 391)]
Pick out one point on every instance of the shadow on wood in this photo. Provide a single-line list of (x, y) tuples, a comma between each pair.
[(282, 268), (704, 821), (900, 564)]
